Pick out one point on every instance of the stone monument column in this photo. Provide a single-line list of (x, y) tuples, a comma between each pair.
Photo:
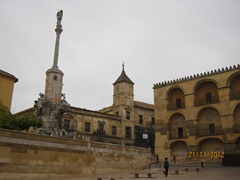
[(54, 76), (51, 106)]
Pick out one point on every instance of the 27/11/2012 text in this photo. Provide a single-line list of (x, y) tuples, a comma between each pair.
[(203, 154)]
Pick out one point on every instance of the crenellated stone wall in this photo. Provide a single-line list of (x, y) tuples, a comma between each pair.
[(196, 76)]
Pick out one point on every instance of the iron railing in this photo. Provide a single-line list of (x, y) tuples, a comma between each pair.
[(208, 132), (234, 95), (236, 128), (176, 136), (173, 106), (203, 101)]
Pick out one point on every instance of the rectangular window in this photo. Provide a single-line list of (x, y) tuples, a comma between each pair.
[(127, 115), (180, 132), (211, 128), (87, 127), (66, 124), (128, 132), (153, 121), (117, 113), (114, 130), (178, 103), (140, 119), (101, 129), (208, 97)]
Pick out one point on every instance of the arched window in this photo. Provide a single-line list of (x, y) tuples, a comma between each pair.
[(179, 150), (235, 86), (205, 93), (178, 126), (176, 99), (236, 119), (208, 122)]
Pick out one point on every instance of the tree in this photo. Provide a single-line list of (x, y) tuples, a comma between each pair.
[(5, 117), (17, 122), (24, 122)]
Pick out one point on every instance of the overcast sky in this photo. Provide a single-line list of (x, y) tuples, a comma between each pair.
[(158, 40)]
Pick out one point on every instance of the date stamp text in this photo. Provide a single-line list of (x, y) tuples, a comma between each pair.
[(205, 154)]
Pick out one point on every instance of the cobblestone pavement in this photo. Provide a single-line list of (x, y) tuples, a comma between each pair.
[(212, 173)]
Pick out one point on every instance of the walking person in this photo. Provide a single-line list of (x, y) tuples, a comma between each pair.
[(166, 165), (202, 163), (174, 159)]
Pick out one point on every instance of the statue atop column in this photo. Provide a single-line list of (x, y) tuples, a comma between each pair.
[(59, 17), (51, 106)]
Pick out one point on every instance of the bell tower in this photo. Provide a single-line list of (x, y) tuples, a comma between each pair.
[(123, 105), (54, 76), (123, 92)]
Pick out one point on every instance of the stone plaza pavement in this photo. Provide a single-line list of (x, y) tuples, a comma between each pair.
[(211, 173)]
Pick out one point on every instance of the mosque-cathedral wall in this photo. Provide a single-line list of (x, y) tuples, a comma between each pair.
[(198, 114)]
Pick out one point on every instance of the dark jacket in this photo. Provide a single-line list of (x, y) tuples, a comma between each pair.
[(166, 163)]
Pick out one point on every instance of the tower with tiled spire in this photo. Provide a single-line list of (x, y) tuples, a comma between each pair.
[(123, 103), (54, 76), (123, 90)]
